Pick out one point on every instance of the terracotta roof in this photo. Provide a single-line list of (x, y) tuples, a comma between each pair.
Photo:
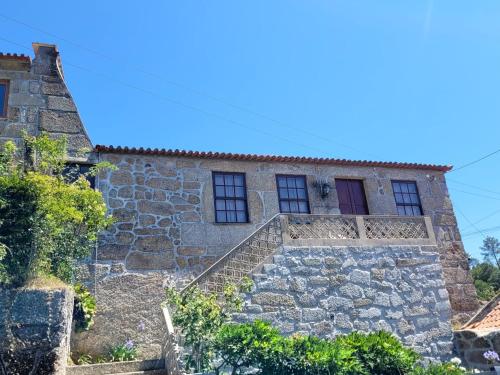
[(14, 56), (488, 317), (268, 158)]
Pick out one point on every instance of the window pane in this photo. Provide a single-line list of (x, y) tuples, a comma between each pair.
[(401, 210), (412, 188), (414, 199), (240, 192), (283, 193), (416, 211), (399, 197), (290, 182), (299, 182), (219, 191), (240, 205), (219, 179), (301, 193), (238, 180), (231, 216), (221, 216), (292, 193), (229, 191), (284, 206), (230, 205), (408, 211), (281, 182), (220, 204), (397, 187), (3, 90), (303, 207), (294, 206), (241, 216), (228, 179), (406, 198)]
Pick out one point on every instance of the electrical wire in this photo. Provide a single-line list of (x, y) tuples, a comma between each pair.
[(179, 103), (187, 88)]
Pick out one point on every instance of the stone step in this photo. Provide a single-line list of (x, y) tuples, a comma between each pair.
[(148, 366)]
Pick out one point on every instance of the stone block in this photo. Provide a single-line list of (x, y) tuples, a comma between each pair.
[(152, 244), (273, 299), (191, 250), (150, 261), (61, 103), (155, 208), (60, 122)]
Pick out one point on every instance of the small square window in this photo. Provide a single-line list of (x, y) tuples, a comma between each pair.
[(4, 96), (407, 199), (292, 194), (230, 197)]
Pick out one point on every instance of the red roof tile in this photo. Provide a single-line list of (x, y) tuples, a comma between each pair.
[(488, 317), (14, 56), (269, 158)]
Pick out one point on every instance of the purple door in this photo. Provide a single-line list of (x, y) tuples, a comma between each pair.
[(352, 199)]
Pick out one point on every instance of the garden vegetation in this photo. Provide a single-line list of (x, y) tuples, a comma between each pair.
[(213, 343), (47, 223)]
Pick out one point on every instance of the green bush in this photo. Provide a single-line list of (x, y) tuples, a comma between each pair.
[(438, 369), (46, 223), (259, 345), (123, 352), (85, 308), (381, 353), (200, 317)]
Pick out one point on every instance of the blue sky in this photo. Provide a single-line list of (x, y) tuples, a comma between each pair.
[(389, 80)]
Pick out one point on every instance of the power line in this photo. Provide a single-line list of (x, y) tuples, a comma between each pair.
[(472, 186), (481, 231), (469, 221), (475, 161), (475, 194), (179, 103), (187, 88), (484, 218)]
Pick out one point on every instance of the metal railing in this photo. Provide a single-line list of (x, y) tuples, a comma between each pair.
[(312, 230)]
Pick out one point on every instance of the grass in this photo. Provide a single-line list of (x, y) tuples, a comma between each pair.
[(45, 282)]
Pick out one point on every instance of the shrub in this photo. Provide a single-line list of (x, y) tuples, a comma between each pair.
[(439, 369), (123, 352), (46, 223), (84, 308), (200, 316), (381, 353)]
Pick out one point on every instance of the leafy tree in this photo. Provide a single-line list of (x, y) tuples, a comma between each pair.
[(200, 316), (491, 250), (46, 222)]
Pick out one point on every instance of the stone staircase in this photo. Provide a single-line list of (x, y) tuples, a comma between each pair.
[(146, 367), (311, 230)]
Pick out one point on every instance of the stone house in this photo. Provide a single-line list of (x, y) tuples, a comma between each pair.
[(332, 244)]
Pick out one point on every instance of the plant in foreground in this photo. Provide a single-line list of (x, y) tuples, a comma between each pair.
[(85, 308), (123, 352), (200, 316)]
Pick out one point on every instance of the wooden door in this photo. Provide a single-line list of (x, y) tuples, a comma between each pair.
[(352, 199)]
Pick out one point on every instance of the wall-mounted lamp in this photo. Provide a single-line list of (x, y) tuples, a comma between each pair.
[(323, 187)]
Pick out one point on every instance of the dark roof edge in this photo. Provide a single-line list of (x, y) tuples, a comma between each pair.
[(268, 158)]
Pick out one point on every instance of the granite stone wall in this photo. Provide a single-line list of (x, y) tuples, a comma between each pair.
[(165, 222), (326, 291), (472, 344), (35, 326)]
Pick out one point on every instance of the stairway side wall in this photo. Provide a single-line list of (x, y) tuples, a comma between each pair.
[(326, 291)]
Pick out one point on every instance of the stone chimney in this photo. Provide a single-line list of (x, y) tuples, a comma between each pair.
[(47, 60)]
